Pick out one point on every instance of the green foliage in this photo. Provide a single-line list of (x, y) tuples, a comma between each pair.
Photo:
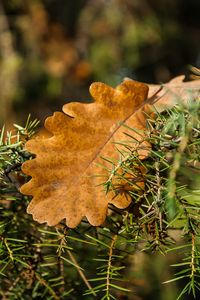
[(40, 262), (171, 197)]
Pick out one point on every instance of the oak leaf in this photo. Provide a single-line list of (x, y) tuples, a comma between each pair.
[(65, 182)]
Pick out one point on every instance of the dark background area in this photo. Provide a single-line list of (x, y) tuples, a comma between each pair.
[(51, 50)]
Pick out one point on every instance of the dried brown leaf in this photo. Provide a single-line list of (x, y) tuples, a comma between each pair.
[(65, 182), (68, 169), (174, 92)]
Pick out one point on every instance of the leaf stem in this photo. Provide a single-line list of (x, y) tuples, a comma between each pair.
[(110, 254), (82, 275)]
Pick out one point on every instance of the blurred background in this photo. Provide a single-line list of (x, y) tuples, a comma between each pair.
[(51, 50)]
